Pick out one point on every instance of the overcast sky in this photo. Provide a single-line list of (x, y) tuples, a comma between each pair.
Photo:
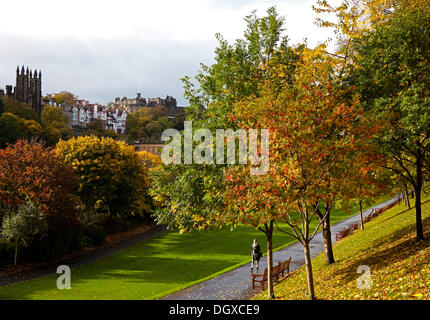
[(101, 49)]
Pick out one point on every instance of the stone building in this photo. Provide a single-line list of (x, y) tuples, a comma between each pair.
[(138, 102), (28, 88), (132, 104)]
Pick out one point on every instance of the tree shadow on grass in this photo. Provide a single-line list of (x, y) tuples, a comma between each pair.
[(168, 260), (404, 211), (379, 259)]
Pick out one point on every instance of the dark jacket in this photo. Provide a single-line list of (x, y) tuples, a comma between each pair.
[(256, 253)]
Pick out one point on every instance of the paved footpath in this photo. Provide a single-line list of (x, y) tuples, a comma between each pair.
[(236, 284)]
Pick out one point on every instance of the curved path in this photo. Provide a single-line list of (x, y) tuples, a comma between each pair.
[(232, 285), (91, 256), (236, 284)]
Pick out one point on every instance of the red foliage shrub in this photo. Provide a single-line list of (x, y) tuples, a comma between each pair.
[(28, 170)]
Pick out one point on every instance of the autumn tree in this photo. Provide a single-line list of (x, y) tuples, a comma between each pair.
[(112, 177), (367, 180), (352, 18), (64, 97), (317, 134), (28, 171), (392, 76), (253, 201), (148, 159)]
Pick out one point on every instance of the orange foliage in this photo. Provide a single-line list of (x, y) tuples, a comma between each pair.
[(28, 170)]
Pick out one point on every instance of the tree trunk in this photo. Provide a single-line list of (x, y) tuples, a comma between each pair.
[(328, 246), (361, 214), (269, 234), (326, 232), (418, 215), (407, 202), (16, 254), (309, 274)]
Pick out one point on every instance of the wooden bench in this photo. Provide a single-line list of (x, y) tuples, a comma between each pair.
[(276, 271), (285, 266), (259, 278), (280, 269)]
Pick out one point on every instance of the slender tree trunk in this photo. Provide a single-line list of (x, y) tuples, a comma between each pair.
[(417, 190), (361, 214), (16, 254), (326, 232), (407, 202), (269, 234), (328, 246), (309, 273)]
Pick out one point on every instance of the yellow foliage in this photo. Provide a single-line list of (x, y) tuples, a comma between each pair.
[(148, 159), (112, 174)]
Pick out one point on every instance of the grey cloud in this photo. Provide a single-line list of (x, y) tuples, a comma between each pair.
[(99, 70)]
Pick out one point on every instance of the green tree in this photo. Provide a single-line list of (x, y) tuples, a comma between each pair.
[(392, 75), (11, 129), (22, 110), (23, 226), (56, 125), (178, 121), (238, 69), (53, 116), (191, 196), (146, 123)]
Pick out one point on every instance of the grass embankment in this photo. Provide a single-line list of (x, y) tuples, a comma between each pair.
[(156, 267), (399, 265)]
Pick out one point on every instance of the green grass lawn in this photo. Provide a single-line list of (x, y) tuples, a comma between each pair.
[(164, 264), (399, 265)]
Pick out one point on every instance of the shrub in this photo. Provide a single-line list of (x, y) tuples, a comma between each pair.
[(55, 244)]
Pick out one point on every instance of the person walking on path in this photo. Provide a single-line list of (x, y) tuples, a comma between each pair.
[(256, 254)]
